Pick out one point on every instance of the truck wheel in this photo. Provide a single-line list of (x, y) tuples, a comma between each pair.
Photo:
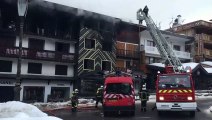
[(192, 113)]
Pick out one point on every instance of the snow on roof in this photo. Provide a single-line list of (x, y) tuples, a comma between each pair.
[(209, 70), (207, 63), (157, 64), (14, 110), (191, 64)]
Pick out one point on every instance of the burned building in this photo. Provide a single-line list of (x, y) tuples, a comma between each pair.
[(63, 48)]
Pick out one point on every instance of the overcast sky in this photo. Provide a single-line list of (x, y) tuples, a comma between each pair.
[(162, 11)]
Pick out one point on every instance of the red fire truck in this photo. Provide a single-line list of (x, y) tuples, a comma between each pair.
[(174, 88), (119, 95)]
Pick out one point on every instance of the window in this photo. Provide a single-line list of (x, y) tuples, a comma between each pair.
[(88, 64), (150, 43), (34, 68), (174, 81), (36, 44), (89, 43), (118, 88), (150, 60), (33, 94), (7, 41), (128, 64), (176, 47), (62, 47), (106, 65), (61, 69), (5, 66)]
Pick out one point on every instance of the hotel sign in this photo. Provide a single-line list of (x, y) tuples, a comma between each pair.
[(6, 82)]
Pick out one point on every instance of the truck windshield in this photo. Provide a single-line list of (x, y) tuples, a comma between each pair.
[(118, 88), (174, 81)]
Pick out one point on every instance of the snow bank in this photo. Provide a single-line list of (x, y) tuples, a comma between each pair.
[(14, 110), (210, 109), (59, 105)]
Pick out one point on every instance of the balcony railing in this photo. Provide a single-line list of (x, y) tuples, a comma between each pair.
[(58, 35), (204, 37), (208, 52), (37, 54), (127, 53), (154, 51)]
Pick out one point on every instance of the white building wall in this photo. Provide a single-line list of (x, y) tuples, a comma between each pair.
[(24, 42), (48, 68), (152, 51)]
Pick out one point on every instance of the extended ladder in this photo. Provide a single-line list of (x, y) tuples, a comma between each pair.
[(162, 45)]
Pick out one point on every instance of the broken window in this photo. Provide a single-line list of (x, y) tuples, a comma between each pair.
[(61, 69), (106, 65), (89, 64), (90, 43), (62, 47)]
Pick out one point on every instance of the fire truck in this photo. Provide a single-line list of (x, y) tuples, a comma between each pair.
[(174, 88), (119, 94)]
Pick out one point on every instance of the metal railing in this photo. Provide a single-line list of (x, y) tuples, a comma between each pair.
[(37, 54)]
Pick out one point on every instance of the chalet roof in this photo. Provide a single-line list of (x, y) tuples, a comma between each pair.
[(195, 24)]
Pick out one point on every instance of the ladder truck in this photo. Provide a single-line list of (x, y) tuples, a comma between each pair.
[(174, 88)]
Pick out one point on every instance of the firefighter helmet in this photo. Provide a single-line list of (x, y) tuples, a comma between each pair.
[(76, 90)]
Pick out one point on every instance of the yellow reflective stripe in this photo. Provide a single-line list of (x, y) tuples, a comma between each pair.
[(185, 91), (180, 91), (190, 90), (169, 91), (164, 91), (160, 91), (175, 91)]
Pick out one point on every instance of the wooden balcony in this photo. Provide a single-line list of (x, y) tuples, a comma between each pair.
[(37, 54), (206, 38), (208, 52), (127, 54)]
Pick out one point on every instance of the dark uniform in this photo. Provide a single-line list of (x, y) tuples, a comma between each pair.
[(74, 101), (144, 96), (146, 10), (99, 96)]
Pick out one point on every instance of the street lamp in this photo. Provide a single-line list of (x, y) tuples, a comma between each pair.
[(22, 8)]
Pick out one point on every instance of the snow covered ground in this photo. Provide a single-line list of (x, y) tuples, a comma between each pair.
[(14, 110)]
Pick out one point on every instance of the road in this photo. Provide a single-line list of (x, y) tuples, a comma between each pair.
[(96, 114)]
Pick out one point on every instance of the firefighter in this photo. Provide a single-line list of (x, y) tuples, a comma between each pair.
[(74, 100), (146, 10), (144, 96), (99, 95)]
